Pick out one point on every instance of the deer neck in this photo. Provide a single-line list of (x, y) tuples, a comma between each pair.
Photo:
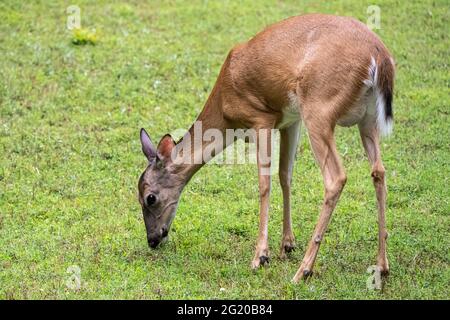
[(200, 143)]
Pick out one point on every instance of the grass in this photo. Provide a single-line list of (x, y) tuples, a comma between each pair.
[(70, 158)]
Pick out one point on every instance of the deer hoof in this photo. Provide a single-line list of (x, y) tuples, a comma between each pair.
[(289, 248), (307, 273), (285, 249), (263, 260), (302, 275), (260, 261), (384, 271)]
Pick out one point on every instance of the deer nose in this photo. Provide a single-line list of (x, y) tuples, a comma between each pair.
[(153, 242)]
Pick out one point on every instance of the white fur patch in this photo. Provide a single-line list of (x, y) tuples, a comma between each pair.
[(384, 126)]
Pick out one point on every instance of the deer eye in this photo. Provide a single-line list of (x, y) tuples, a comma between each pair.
[(150, 200)]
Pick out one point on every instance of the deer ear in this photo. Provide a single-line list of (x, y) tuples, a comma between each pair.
[(147, 146), (165, 147)]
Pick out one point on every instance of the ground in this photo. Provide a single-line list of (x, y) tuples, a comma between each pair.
[(70, 114)]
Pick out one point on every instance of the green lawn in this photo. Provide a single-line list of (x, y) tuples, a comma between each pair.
[(70, 158)]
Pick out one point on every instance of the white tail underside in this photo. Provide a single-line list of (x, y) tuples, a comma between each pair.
[(384, 124)]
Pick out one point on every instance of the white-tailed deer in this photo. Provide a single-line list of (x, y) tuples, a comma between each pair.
[(321, 70)]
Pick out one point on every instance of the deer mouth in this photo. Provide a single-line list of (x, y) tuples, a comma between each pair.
[(162, 237), (155, 243)]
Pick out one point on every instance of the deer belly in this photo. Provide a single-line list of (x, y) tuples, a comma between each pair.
[(290, 113)]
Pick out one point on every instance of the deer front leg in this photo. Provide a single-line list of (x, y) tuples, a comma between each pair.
[(264, 151), (288, 147)]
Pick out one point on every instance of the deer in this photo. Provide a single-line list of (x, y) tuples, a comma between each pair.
[(313, 70)]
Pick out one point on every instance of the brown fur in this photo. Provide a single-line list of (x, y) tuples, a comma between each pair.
[(323, 61), (257, 75)]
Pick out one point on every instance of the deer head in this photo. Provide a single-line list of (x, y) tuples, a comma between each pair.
[(159, 188)]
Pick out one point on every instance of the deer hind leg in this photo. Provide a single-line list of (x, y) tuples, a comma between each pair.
[(370, 140), (288, 147), (264, 153), (324, 148)]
